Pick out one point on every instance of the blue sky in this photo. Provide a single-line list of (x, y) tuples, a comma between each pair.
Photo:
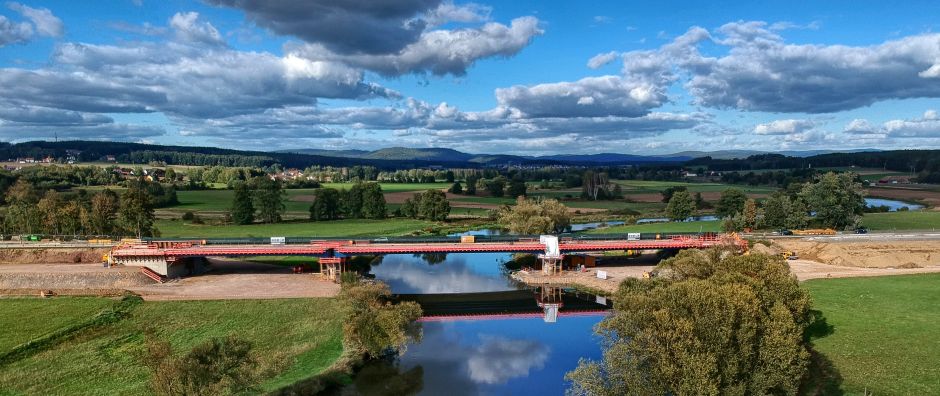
[(522, 77)]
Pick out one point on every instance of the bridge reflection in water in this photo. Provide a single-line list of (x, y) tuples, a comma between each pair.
[(547, 302)]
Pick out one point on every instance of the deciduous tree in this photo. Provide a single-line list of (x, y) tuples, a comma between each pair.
[(680, 206), (243, 209), (731, 202)]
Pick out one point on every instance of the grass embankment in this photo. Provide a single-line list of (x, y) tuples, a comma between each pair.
[(687, 226), (338, 228), (886, 332), (300, 336), (911, 220)]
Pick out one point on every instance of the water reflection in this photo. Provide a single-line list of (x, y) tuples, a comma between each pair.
[(456, 273), (503, 357)]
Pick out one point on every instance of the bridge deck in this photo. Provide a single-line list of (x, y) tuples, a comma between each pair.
[(351, 248)]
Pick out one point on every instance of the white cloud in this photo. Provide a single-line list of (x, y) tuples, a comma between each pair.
[(45, 22), (188, 28), (588, 97), (783, 127), (600, 60)]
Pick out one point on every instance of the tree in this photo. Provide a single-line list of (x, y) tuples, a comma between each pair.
[(796, 216), (595, 185), (836, 198), (373, 201), (449, 176), (352, 202), (136, 213), (104, 208), (269, 198), (731, 202), (409, 208), (325, 204), (700, 203), (529, 217), (670, 191), (49, 207), (708, 323), (374, 324), (471, 186), (455, 188), (681, 206), (433, 206), (776, 208), (517, 188), (496, 186), (750, 214), (243, 210), (22, 198)]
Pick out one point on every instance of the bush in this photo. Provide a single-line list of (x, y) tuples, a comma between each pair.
[(189, 216)]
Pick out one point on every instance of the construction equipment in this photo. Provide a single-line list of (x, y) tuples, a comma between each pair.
[(816, 231), (789, 255)]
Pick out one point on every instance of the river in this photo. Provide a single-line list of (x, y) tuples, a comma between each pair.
[(504, 356)]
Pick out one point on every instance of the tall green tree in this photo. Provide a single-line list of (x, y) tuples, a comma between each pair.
[(750, 214), (776, 207), (104, 208), (243, 209), (23, 214), (836, 198), (732, 201), (136, 214), (49, 207), (670, 191), (434, 206), (352, 201), (269, 199), (456, 188), (471, 186), (374, 325), (326, 205), (681, 206), (496, 186), (373, 201), (796, 215), (708, 323), (517, 188)]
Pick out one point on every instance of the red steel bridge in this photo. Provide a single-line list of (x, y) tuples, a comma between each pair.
[(161, 256)]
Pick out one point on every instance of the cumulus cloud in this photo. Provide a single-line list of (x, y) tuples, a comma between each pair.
[(588, 97), (45, 22), (14, 32), (189, 28), (342, 26), (783, 127), (927, 126), (860, 126), (439, 51), (465, 13), (41, 21)]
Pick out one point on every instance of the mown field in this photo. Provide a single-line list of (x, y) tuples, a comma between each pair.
[(687, 226), (338, 228), (649, 186), (913, 220), (885, 332), (301, 337)]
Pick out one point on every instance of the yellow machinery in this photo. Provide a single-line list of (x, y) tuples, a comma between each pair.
[(818, 231), (789, 255)]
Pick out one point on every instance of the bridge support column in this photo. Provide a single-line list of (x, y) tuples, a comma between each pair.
[(159, 264), (332, 267), (551, 264)]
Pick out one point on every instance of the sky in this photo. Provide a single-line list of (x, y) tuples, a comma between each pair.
[(514, 77)]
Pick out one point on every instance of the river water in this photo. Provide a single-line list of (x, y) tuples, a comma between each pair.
[(505, 356)]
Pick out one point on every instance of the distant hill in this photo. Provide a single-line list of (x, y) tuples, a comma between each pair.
[(614, 158), (732, 154)]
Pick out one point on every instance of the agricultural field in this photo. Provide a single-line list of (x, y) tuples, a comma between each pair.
[(911, 220), (687, 226), (337, 228), (297, 337), (39, 317), (884, 337)]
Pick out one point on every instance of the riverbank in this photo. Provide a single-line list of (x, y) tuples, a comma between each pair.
[(297, 338)]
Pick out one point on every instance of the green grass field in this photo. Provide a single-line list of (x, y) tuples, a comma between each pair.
[(302, 336), (913, 220), (27, 318), (395, 187), (688, 226), (886, 332), (339, 228), (648, 186)]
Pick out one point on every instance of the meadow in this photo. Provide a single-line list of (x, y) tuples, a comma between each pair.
[(686, 226), (912, 220), (884, 332), (337, 228), (299, 337)]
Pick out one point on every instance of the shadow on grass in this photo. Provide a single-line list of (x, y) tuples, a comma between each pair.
[(822, 377)]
